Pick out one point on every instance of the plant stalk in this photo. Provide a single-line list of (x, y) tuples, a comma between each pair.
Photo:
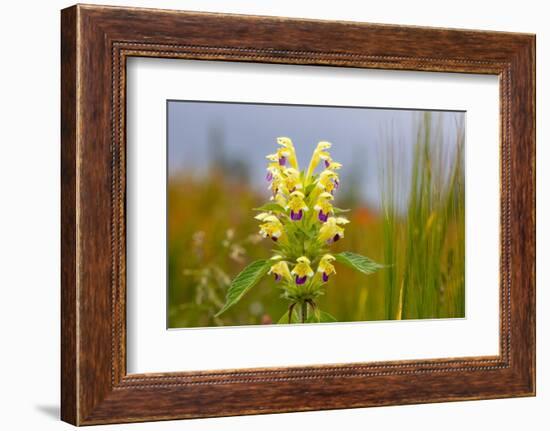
[(304, 312)]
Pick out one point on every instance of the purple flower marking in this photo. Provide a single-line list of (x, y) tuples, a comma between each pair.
[(269, 176), (296, 216), (333, 239), (301, 280), (325, 277), (336, 184), (322, 216), (327, 163), (274, 238), (277, 277), (282, 161)]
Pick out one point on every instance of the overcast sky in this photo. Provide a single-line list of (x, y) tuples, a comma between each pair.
[(242, 134)]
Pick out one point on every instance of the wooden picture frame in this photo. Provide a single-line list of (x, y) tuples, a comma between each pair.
[(95, 43)]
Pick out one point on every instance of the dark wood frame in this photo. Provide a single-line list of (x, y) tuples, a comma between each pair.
[(95, 43)]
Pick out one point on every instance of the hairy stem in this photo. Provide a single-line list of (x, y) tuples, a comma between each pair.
[(304, 312)]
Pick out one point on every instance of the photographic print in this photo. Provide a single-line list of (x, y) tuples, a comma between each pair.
[(271, 212), (301, 214)]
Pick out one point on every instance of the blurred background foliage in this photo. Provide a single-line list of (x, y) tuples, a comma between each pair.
[(417, 228)]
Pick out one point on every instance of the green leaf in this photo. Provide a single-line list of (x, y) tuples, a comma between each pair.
[(359, 263), (308, 233), (321, 317), (340, 210), (284, 318), (325, 317), (309, 188), (243, 282), (314, 316), (270, 206)]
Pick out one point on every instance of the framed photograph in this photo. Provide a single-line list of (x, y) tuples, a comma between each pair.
[(327, 214)]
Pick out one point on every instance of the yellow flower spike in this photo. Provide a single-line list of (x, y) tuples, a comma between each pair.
[(272, 228), (302, 270), (296, 205), (318, 155), (323, 206), (330, 231), (280, 270), (292, 179), (328, 180), (325, 267), (289, 146), (293, 193)]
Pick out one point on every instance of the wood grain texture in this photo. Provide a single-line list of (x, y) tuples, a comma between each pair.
[(96, 41), (69, 367)]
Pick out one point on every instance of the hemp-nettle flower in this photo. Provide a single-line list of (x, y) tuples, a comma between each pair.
[(332, 165), (296, 205), (302, 270), (273, 169), (280, 270), (342, 220), (331, 231), (279, 199), (262, 216), (272, 228), (328, 180), (319, 154), (287, 145), (323, 206), (281, 156), (325, 267), (277, 183), (292, 179)]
